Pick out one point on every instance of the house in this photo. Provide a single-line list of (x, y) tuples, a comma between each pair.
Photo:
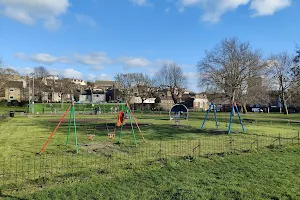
[(13, 91), (135, 100), (166, 100), (105, 85), (79, 82), (200, 103), (98, 96)]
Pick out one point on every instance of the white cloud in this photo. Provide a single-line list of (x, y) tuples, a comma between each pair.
[(91, 77), (30, 11), (97, 68), (43, 58), (93, 59), (167, 9), (131, 62), (52, 24), (22, 70), (85, 19), (71, 73), (104, 77), (187, 3), (214, 9), (141, 2), (268, 7)]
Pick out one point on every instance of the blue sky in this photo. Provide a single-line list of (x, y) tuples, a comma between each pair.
[(95, 39)]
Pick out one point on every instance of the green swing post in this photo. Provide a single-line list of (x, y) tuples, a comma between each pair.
[(126, 110), (69, 126), (132, 129), (72, 115), (75, 130)]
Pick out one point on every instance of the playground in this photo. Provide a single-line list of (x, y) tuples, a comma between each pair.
[(85, 145), (72, 131)]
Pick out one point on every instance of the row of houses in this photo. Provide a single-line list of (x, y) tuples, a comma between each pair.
[(54, 90)]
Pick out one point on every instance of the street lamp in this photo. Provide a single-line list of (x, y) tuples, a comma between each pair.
[(32, 95)]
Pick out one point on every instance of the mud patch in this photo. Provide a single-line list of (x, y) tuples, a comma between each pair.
[(105, 148)]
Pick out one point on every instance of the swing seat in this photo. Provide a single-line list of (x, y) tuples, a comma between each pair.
[(91, 137), (111, 135)]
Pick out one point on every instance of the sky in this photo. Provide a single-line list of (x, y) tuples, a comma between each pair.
[(95, 39)]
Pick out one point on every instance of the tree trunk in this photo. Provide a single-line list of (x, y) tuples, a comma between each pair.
[(61, 100), (283, 96), (284, 102), (245, 108), (233, 101)]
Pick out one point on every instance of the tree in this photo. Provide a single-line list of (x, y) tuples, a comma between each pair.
[(64, 87), (6, 74), (296, 67), (171, 76), (282, 69), (39, 75), (131, 84), (40, 72), (230, 67)]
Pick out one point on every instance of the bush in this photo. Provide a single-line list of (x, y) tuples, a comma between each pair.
[(14, 103), (3, 102)]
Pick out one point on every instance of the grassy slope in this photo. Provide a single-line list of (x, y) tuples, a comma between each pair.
[(271, 174)]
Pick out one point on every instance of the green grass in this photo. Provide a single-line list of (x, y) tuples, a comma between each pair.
[(5, 110), (269, 174), (25, 136)]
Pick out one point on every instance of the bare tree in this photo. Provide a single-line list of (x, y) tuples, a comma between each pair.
[(281, 66), (296, 68), (171, 76), (7, 74), (39, 75), (131, 84), (65, 87), (229, 67), (40, 72), (125, 85), (256, 92)]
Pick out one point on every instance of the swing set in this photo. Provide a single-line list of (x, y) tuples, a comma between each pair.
[(234, 108), (125, 110)]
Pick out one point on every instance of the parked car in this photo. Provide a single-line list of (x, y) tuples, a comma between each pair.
[(257, 110)]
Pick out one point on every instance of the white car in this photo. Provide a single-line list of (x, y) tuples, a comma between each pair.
[(257, 110)]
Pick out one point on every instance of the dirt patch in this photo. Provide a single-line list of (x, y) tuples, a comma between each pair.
[(105, 148)]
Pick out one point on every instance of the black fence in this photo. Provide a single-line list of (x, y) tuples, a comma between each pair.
[(19, 171)]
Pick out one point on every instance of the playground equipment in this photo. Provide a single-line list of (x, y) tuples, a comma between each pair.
[(72, 117), (234, 108), (121, 121), (179, 111), (213, 108)]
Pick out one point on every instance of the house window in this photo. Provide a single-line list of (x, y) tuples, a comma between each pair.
[(11, 97), (11, 90), (201, 105), (86, 97)]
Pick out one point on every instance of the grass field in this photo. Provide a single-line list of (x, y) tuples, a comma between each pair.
[(268, 174), (25, 136)]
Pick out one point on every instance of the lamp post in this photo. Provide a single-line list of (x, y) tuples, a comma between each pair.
[(32, 95)]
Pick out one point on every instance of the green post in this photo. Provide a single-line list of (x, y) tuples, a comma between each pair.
[(75, 134), (72, 115), (132, 129), (69, 127)]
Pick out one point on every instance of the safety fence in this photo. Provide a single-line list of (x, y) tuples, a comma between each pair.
[(18, 171)]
